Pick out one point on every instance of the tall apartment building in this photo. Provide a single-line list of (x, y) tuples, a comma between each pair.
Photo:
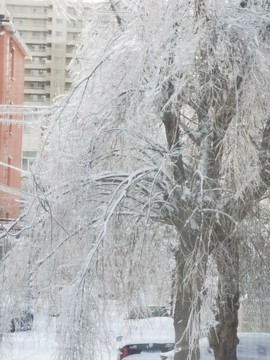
[(51, 39), (2, 6)]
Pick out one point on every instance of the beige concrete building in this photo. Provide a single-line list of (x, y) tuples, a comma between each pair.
[(51, 39), (2, 6)]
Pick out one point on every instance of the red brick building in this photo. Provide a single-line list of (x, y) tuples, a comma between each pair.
[(12, 55)]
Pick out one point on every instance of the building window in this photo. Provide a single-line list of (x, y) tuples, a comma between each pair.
[(36, 34), (44, 98), (9, 171), (28, 160), (57, 59), (10, 127), (12, 60), (58, 33), (58, 46), (34, 85), (41, 72), (34, 97)]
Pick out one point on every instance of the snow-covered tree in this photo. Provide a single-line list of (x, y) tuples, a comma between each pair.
[(158, 159)]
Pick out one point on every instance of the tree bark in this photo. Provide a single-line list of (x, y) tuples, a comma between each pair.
[(223, 337), (188, 299), (183, 305)]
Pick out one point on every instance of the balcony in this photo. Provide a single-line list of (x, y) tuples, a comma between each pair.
[(38, 77), (36, 66), (31, 15), (30, 91), (35, 99)]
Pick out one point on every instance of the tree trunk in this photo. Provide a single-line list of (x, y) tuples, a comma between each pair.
[(187, 303), (223, 338), (181, 318)]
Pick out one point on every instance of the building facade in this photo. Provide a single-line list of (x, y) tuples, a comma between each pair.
[(13, 53), (51, 39), (2, 6)]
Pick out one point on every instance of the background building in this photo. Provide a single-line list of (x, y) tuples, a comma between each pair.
[(51, 39), (2, 6), (12, 55)]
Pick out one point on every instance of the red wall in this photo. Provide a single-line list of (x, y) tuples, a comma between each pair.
[(4, 39), (11, 92)]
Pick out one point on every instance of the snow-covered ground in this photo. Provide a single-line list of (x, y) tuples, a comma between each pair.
[(40, 344), (252, 346)]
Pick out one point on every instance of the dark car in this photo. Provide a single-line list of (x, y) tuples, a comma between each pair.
[(23, 322)]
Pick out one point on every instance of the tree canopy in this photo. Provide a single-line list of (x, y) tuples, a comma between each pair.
[(155, 166)]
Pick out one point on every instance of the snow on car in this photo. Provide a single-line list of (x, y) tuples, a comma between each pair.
[(146, 334)]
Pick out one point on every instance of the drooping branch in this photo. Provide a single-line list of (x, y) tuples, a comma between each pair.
[(172, 130), (198, 10), (116, 13), (173, 139), (265, 155)]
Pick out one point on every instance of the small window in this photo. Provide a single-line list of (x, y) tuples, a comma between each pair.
[(36, 34), (9, 171), (28, 160), (57, 59), (12, 65), (10, 128)]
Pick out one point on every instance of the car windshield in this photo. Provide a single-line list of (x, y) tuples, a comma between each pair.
[(148, 312)]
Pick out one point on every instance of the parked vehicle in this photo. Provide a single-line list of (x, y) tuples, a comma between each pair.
[(23, 322), (146, 334)]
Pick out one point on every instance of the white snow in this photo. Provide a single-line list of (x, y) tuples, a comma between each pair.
[(40, 344), (150, 330), (252, 346)]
